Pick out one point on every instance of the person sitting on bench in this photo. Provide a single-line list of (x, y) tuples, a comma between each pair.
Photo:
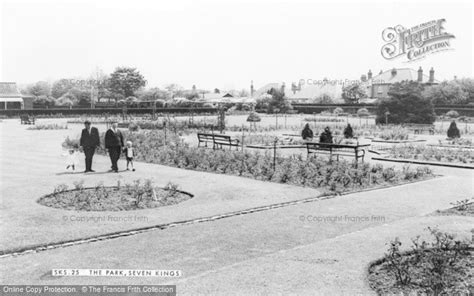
[(326, 136)]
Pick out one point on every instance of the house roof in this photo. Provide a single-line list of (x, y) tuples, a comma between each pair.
[(264, 89), (402, 74), (216, 96), (9, 90), (315, 91), (15, 99)]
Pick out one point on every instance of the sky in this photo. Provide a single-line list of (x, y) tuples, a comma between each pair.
[(221, 44)]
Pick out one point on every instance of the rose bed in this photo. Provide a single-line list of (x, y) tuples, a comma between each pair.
[(103, 198)]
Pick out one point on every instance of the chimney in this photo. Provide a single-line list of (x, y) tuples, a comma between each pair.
[(420, 75), (299, 85), (251, 88), (293, 87), (369, 75), (394, 72), (363, 78), (431, 75), (283, 87)]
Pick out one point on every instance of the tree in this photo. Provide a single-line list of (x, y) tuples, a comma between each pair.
[(175, 91), (152, 94), (446, 93), (125, 81), (40, 88), (325, 99), (82, 95), (217, 91), (243, 93), (406, 105), (353, 93), (61, 87), (278, 101), (467, 85)]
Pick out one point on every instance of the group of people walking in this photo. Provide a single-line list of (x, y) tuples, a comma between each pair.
[(114, 143)]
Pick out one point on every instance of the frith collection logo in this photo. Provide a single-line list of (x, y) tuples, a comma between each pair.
[(416, 42)]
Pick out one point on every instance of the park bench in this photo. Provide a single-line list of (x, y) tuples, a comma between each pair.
[(26, 119), (420, 128), (205, 138), (355, 151), (217, 140)]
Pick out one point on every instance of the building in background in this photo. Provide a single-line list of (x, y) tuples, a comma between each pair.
[(377, 87), (11, 98)]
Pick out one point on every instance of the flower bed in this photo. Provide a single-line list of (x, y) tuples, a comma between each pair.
[(118, 198), (174, 124), (461, 208), (323, 119), (297, 170), (51, 126), (424, 153), (440, 267), (268, 140)]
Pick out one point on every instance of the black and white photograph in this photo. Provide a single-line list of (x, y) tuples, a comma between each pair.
[(236, 147)]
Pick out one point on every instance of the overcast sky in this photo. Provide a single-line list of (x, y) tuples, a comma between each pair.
[(223, 44)]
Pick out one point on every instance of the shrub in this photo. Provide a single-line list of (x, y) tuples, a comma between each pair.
[(307, 133), (207, 105), (315, 172), (452, 114), (133, 127), (395, 133), (253, 117), (430, 266), (338, 110), (363, 112), (453, 131), (348, 132)]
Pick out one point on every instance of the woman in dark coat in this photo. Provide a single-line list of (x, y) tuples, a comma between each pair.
[(326, 136)]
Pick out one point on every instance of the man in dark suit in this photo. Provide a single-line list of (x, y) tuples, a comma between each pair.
[(114, 144), (89, 141)]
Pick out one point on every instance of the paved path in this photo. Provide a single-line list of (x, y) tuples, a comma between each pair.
[(283, 251)]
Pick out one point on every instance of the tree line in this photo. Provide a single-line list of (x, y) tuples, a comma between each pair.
[(125, 84), (452, 92)]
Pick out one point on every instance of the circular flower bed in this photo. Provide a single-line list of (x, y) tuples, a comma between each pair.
[(116, 198)]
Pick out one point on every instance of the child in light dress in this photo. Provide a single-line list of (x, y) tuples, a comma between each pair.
[(71, 159), (129, 154)]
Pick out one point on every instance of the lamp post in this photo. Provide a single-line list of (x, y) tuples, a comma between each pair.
[(276, 117)]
